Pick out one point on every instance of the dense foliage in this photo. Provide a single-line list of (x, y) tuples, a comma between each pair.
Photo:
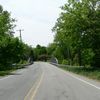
[(12, 50), (40, 53), (77, 33), (76, 41)]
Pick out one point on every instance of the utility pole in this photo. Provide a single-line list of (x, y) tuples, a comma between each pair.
[(20, 31)]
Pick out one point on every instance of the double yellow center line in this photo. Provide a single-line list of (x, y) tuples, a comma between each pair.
[(33, 91)]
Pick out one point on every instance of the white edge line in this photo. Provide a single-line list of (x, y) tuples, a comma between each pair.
[(80, 79), (85, 82)]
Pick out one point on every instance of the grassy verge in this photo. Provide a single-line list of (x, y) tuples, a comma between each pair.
[(92, 73), (8, 71)]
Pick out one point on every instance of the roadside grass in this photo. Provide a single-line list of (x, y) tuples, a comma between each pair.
[(6, 72), (93, 73), (9, 70)]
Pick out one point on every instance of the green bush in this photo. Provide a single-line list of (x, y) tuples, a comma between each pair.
[(65, 62)]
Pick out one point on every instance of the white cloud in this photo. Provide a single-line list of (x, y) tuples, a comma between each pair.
[(36, 17)]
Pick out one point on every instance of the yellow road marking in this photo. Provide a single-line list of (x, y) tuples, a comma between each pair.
[(32, 93)]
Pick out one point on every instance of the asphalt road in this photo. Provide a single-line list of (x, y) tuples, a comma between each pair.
[(42, 81)]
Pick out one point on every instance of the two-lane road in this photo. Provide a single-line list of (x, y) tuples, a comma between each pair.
[(43, 81)]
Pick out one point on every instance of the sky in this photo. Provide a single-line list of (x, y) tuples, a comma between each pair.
[(35, 17)]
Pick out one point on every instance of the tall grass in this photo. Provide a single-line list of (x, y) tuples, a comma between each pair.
[(93, 73)]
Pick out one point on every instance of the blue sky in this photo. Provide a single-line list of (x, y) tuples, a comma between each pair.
[(36, 17)]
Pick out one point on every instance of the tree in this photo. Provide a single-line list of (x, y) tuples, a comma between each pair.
[(51, 48), (12, 50), (39, 51), (6, 23), (78, 29)]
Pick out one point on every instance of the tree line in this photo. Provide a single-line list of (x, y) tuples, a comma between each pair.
[(12, 50), (76, 40), (77, 33)]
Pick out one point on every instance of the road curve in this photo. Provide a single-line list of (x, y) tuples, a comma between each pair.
[(43, 81)]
